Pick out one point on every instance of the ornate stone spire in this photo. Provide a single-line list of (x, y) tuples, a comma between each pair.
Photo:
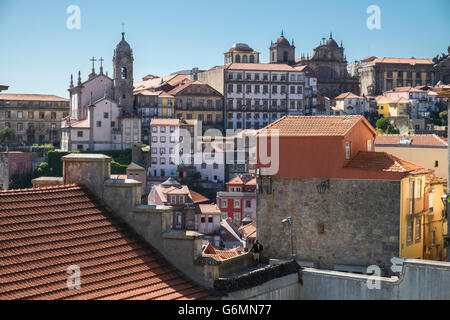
[(79, 78), (71, 81)]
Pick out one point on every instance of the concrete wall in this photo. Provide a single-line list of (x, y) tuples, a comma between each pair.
[(284, 288), (420, 280), (357, 229)]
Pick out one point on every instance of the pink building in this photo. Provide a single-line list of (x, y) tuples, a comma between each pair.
[(13, 162)]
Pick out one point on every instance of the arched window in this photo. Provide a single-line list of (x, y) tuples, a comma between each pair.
[(244, 59), (285, 56), (273, 56), (238, 58), (124, 72), (252, 59)]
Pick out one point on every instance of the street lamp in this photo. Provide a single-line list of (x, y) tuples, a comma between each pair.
[(288, 221)]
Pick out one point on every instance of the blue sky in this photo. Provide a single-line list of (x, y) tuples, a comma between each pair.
[(38, 52)]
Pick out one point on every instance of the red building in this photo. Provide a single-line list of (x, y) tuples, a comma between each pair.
[(239, 201)]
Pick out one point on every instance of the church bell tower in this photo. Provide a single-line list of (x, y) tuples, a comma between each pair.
[(123, 75)]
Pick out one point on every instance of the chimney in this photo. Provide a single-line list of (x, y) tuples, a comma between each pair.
[(194, 74), (90, 170)]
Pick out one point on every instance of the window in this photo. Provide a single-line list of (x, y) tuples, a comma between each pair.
[(19, 114), (419, 189), (237, 203), (99, 124), (409, 231), (162, 139), (154, 139), (210, 219), (248, 203), (202, 219), (237, 217), (123, 73), (347, 150), (162, 161), (105, 115), (274, 89), (181, 199), (79, 133), (418, 228), (154, 129), (224, 203), (113, 123), (436, 163), (80, 147), (172, 139), (53, 115), (369, 145), (30, 115)]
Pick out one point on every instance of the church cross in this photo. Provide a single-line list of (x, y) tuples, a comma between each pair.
[(93, 60), (101, 60)]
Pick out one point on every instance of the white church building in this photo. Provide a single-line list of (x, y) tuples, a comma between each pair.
[(102, 115)]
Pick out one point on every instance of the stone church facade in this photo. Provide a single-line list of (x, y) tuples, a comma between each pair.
[(330, 65), (102, 116)]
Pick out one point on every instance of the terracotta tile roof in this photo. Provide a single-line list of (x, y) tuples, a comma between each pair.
[(248, 230), (171, 122), (197, 197), (347, 95), (83, 124), (405, 89), (220, 255), (387, 100), (46, 230), (207, 209), (430, 140), (298, 126), (261, 67), (243, 179), (403, 61), (382, 161), (31, 97)]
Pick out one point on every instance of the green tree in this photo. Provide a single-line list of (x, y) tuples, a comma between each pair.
[(382, 124), (443, 117), (7, 135)]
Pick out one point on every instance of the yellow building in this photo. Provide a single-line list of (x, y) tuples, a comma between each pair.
[(434, 221), (421, 216), (389, 107)]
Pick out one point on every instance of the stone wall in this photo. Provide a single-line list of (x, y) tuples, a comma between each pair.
[(342, 226)]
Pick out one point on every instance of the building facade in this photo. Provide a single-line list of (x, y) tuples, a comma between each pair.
[(257, 94), (168, 142), (377, 75), (350, 103), (239, 200), (35, 118), (330, 66), (328, 180), (197, 100), (12, 162), (102, 115)]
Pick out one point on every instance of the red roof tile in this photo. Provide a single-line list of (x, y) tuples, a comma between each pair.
[(429, 140), (382, 161), (321, 126), (31, 97), (46, 230)]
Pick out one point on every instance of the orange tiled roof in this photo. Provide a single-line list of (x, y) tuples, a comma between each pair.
[(31, 97), (46, 230), (403, 60), (382, 161), (249, 230), (197, 197), (415, 139), (208, 209), (171, 122), (405, 89), (81, 124), (348, 95), (298, 126), (220, 255)]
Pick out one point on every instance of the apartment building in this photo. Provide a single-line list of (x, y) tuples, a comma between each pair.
[(257, 94)]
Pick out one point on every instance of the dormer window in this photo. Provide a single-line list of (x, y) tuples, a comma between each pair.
[(181, 199), (173, 199)]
